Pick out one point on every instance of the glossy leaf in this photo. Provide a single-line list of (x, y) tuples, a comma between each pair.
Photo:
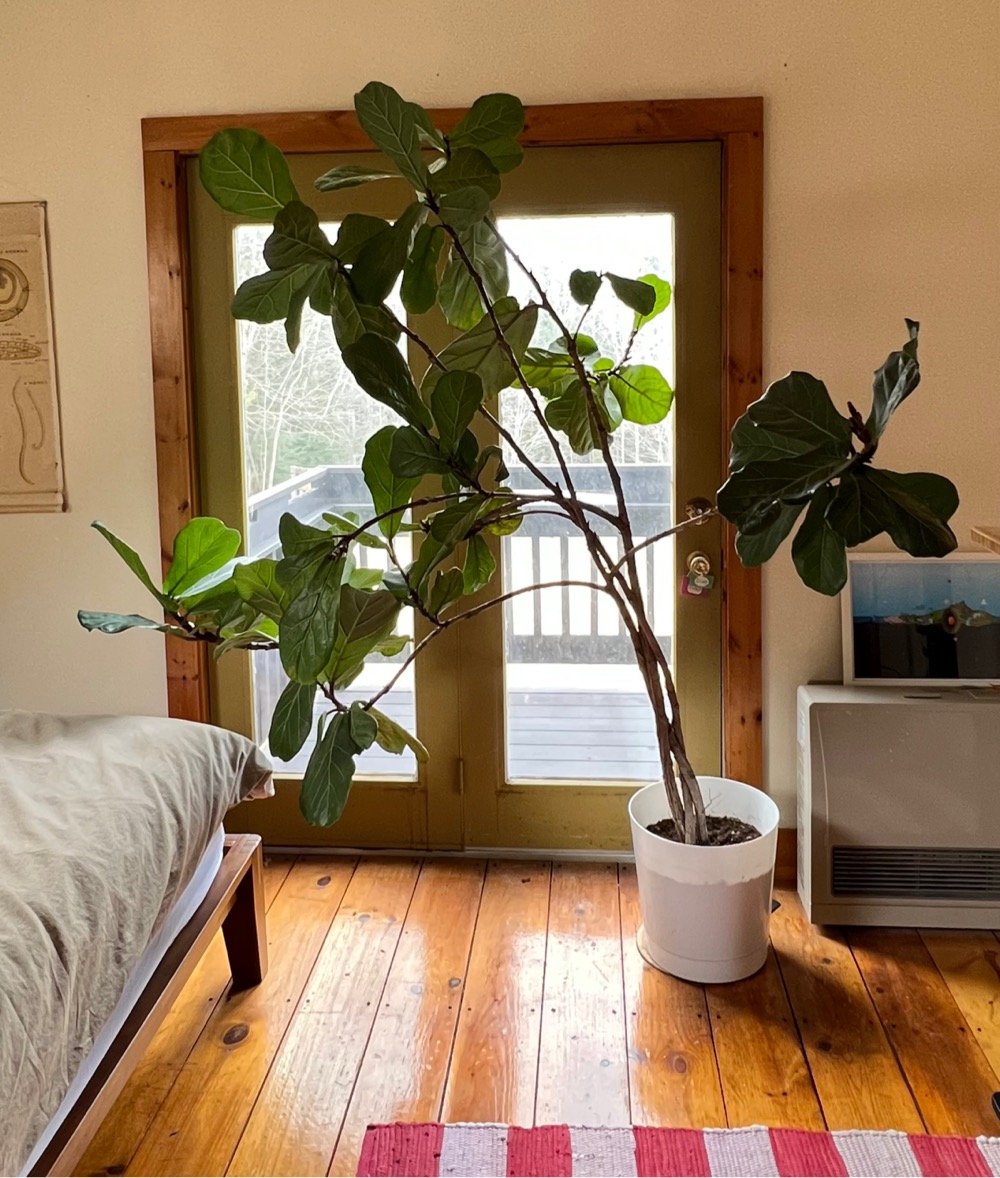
[(268, 297), (478, 351), (118, 623), (365, 618), (380, 260), (392, 125), (352, 320), (491, 117), (584, 285), (379, 368), (413, 454), (350, 176), (387, 489), (479, 566), (757, 545), (363, 726), (308, 628), (356, 230), (819, 553), (747, 496), (328, 776), (454, 401), (447, 588), (245, 174), (134, 562), (451, 525), (459, 295), (419, 289), (463, 207), (258, 585), (643, 393), (201, 546), (915, 508), (637, 295), (894, 381), (394, 738), (296, 239), (794, 417), (663, 293), (292, 720), (468, 167)]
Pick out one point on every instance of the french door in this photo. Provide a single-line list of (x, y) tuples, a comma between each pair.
[(533, 713)]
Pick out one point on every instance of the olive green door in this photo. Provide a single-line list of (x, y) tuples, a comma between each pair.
[(533, 713)]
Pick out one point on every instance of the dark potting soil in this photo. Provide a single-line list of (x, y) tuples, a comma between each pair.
[(722, 832)]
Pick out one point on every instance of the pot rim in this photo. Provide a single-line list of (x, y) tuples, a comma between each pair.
[(695, 848)]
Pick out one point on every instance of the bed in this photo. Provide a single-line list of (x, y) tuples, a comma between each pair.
[(114, 875)]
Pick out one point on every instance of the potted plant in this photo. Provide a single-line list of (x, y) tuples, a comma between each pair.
[(704, 847)]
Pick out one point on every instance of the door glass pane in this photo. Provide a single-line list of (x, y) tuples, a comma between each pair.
[(576, 708), (305, 423)]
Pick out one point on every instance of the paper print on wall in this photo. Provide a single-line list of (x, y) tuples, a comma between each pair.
[(31, 474)]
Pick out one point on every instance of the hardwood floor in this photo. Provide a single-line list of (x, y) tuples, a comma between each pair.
[(467, 991)]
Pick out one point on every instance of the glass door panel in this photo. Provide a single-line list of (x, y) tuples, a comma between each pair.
[(576, 709)]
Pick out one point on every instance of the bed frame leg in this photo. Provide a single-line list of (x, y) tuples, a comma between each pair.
[(243, 928)]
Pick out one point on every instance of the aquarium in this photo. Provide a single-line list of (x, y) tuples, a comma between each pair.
[(933, 622)]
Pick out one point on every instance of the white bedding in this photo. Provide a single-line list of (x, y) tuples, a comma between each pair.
[(175, 920), (104, 822)]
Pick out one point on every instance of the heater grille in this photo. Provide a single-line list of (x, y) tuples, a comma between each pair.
[(928, 873)]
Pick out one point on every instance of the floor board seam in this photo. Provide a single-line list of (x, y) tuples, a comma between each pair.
[(541, 1020)]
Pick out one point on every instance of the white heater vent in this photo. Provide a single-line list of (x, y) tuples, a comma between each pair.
[(929, 873)]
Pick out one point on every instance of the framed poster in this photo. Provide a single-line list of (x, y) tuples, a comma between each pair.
[(927, 622), (31, 469)]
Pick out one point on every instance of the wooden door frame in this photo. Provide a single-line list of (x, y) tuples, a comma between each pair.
[(735, 123)]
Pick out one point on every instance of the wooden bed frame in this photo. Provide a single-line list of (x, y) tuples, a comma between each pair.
[(234, 903)]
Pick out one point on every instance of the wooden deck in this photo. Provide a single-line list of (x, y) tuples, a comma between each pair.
[(512, 992), (575, 735)]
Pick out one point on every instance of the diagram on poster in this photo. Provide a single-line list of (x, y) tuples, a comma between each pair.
[(31, 476)]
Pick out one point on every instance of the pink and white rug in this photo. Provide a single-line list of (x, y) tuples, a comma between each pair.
[(554, 1151)]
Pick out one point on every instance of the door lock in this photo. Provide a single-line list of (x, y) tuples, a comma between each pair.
[(699, 579)]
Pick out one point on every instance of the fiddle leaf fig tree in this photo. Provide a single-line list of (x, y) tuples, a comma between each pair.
[(797, 463)]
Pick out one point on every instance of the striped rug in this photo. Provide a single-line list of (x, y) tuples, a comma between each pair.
[(551, 1151)]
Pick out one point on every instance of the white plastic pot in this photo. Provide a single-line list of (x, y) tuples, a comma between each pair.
[(705, 910)]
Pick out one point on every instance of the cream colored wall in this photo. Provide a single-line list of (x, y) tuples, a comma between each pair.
[(882, 194)]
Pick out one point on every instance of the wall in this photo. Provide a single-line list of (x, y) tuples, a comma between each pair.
[(882, 182)]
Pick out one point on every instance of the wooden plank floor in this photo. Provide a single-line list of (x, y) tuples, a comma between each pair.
[(505, 991)]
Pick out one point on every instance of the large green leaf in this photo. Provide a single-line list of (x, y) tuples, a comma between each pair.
[(479, 351), (747, 496), (914, 509), (819, 553), (350, 176), (258, 585), (292, 720), (380, 260), (355, 231), (352, 320), (454, 401), (643, 393), (387, 489), (663, 295), (363, 726), (856, 511), (757, 545), (420, 282), (492, 119), (894, 381), (119, 623), (365, 618), (200, 547), (547, 371), (134, 562), (268, 297), (296, 239), (459, 295), (573, 414), (794, 417), (467, 167), (392, 125), (637, 295), (394, 738), (379, 368), (328, 776), (447, 588), (412, 454), (452, 524), (463, 207), (479, 566), (584, 285), (245, 174), (308, 627)]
